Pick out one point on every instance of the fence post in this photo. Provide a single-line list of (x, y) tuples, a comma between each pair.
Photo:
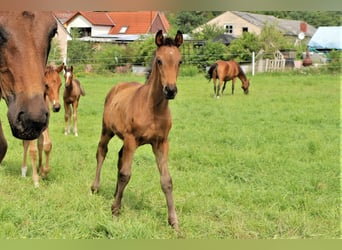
[(253, 63)]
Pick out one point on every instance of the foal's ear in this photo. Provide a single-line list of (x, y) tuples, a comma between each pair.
[(159, 38), (179, 38), (60, 68)]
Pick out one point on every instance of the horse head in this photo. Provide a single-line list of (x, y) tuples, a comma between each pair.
[(53, 83), (245, 86), (68, 75), (25, 39), (167, 60)]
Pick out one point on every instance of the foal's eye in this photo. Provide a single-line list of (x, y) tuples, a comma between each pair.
[(159, 62), (180, 62)]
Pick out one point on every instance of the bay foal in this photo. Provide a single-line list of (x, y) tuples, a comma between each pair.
[(53, 83), (139, 114), (71, 97)]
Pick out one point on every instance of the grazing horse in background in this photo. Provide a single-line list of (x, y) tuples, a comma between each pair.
[(23, 56), (139, 114), (53, 83), (71, 97), (225, 71)]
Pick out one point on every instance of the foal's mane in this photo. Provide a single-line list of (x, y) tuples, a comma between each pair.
[(49, 69)]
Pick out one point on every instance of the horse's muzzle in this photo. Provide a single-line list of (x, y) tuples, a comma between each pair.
[(170, 92), (56, 107), (29, 120)]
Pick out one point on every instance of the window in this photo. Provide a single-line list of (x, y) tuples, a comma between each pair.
[(244, 29), (81, 32), (123, 29), (228, 28)]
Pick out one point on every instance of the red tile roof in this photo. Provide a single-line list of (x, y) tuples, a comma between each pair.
[(94, 17), (139, 22)]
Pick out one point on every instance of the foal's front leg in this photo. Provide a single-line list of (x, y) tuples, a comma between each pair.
[(67, 118), (46, 145), (124, 171), (233, 84), (74, 107), (3, 144), (160, 150)]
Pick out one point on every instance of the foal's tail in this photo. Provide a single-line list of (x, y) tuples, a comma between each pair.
[(211, 70), (82, 90)]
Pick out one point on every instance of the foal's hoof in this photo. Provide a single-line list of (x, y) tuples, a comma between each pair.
[(94, 189)]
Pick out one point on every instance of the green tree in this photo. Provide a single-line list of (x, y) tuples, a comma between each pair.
[(241, 49), (108, 56), (271, 40)]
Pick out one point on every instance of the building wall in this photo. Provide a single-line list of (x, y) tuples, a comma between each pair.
[(237, 22), (81, 22)]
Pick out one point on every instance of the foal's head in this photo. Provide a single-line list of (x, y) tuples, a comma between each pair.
[(53, 83), (68, 75), (25, 39), (167, 61)]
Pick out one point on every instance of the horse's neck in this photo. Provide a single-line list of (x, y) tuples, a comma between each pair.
[(242, 76), (155, 96)]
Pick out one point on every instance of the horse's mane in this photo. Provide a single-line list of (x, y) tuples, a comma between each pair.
[(169, 42), (49, 69)]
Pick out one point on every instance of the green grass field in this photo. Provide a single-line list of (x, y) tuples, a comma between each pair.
[(262, 166)]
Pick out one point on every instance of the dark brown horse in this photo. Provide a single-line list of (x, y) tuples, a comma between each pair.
[(71, 97), (225, 71), (24, 47), (139, 114), (53, 84)]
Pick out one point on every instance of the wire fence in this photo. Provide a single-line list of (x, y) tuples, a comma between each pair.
[(257, 63)]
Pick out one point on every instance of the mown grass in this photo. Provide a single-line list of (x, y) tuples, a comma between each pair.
[(266, 165)]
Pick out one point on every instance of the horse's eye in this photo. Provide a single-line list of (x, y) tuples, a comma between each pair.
[(159, 62), (180, 62)]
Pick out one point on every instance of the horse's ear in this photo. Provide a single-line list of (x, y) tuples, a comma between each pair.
[(179, 38), (60, 68), (159, 38), (71, 68)]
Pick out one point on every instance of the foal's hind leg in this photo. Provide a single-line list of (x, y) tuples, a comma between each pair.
[(101, 153), (124, 171), (224, 87), (160, 151)]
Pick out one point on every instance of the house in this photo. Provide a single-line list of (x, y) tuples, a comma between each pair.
[(103, 26), (237, 22)]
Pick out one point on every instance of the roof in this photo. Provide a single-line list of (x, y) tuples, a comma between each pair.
[(138, 22), (287, 26), (64, 16), (327, 38), (94, 17)]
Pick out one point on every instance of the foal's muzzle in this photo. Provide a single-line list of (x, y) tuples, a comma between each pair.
[(170, 92), (56, 107)]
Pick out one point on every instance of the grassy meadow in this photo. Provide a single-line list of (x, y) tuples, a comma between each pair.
[(262, 166)]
